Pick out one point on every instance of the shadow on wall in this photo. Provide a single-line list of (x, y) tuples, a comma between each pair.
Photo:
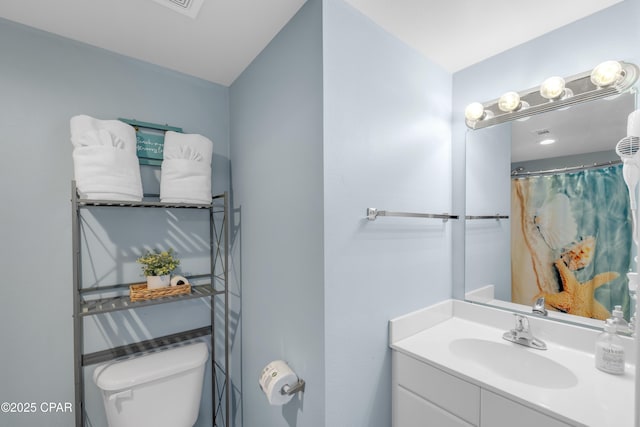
[(291, 409), (112, 241)]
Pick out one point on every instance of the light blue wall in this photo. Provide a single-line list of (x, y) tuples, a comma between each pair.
[(488, 159), (45, 80), (276, 128), (333, 117), (613, 33), (387, 113)]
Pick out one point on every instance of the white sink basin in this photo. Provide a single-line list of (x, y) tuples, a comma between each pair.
[(515, 362), (465, 340)]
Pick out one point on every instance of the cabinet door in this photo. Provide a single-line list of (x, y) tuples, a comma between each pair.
[(497, 411), (413, 411), (442, 389)]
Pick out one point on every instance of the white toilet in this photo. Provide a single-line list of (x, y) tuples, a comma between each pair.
[(161, 389)]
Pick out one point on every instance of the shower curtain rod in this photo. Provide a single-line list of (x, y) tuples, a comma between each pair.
[(518, 173)]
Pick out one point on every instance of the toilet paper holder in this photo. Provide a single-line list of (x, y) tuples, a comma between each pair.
[(290, 390), (279, 383)]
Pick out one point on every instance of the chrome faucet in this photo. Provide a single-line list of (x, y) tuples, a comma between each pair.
[(522, 334), (539, 308)]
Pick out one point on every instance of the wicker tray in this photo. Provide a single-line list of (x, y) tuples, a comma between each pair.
[(139, 291)]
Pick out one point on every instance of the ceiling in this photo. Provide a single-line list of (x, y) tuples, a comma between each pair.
[(589, 127), (459, 33), (228, 34)]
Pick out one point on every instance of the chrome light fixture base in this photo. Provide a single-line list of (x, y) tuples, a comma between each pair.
[(578, 88)]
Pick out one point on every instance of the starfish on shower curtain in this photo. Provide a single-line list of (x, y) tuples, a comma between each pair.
[(577, 298)]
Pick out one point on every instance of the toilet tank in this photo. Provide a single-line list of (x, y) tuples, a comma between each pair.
[(161, 389)]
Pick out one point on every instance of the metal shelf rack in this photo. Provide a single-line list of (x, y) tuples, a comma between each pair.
[(88, 302)]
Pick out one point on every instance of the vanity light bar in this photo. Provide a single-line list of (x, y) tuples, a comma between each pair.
[(554, 93)]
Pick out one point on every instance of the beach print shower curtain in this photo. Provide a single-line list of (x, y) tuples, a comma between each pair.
[(571, 239)]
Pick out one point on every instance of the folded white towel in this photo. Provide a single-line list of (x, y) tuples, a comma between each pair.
[(186, 145), (185, 181), (186, 168), (111, 171), (104, 159), (87, 131)]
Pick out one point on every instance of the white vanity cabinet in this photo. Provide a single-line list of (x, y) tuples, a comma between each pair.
[(451, 367), (497, 411), (422, 393), (425, 396)]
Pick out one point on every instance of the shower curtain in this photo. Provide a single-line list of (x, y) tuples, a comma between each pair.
[(571, 241)]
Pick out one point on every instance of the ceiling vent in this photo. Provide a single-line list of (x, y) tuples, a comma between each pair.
[(540, 132), (544, 136), (191, 8)]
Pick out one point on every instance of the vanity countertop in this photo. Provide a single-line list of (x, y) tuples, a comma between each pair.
[(465, 340)]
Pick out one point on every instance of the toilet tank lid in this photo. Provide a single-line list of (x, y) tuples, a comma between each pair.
[(129, 373)]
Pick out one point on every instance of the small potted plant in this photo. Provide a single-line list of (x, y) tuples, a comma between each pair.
[(157, 266)]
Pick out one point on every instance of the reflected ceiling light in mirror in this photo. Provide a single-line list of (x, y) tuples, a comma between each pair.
[(606, 80), (554, 88), (544, 137)]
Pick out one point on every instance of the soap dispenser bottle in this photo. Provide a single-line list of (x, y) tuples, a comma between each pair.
[(622, 327), (610, 350)]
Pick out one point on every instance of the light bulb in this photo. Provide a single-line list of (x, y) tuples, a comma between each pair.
[(509, 102), (552, 88), (606, 73), (474, 112)]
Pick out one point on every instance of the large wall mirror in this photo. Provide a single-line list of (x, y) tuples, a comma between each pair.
[(551, 219)]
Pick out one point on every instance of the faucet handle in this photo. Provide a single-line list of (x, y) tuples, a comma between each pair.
[(522, 322), (539, 307), (522, 334)]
